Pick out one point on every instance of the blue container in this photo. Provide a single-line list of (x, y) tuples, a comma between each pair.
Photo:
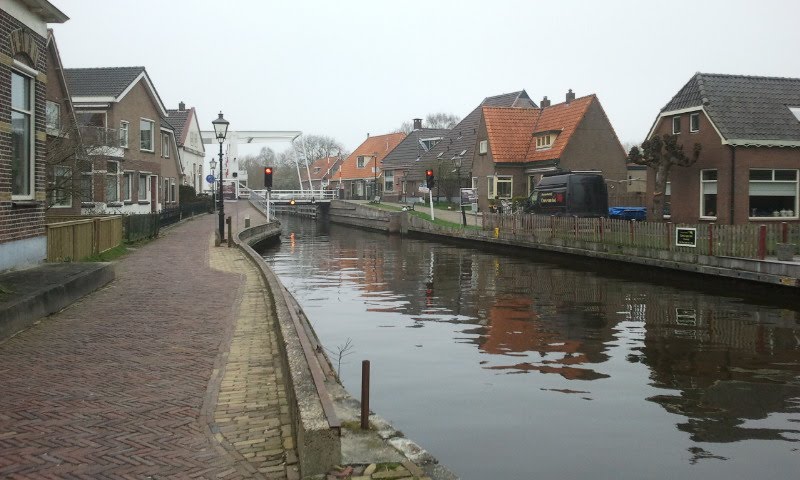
[(628, 213)]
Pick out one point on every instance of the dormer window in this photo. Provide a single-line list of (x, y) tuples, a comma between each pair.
[(361, 161), (545, 141), (428, 143), (796, 112)]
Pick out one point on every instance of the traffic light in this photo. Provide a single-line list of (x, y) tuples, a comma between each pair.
[(268, 178), (429, 181)]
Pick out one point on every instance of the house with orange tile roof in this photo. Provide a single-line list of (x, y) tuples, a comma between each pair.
[(516, 146), (360, 175), (322, 170)]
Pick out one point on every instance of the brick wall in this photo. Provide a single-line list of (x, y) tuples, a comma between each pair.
[(18, 221)]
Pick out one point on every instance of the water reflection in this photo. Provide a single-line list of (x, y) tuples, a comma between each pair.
[(720, 369)]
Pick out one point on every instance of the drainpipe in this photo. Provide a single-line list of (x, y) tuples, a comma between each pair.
[(733, 181)]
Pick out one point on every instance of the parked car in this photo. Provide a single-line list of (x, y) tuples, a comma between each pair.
[(570, 194)]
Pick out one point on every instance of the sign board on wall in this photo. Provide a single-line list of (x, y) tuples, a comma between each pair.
[(469, 196), (685, 237)]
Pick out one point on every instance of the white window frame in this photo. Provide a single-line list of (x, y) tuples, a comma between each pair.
[(68, 174), (361, 161), (146, 187), (702, 202), (509, 179), (124, 126), (127, 177), (483, 147), (31, 114), (152, 135), (107, 178), (474, 182), (667, 194), (173, 191), (694, 122), (490, 193), (796, 182), (676, 121), (388, 179), (545, 141), (52, 117), (165, 144)]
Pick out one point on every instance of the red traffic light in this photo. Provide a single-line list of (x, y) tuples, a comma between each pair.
[(268, 178), (268, 170), (429, 181), (428, 173)]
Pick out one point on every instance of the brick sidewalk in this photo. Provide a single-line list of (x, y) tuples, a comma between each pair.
[(125, 383)]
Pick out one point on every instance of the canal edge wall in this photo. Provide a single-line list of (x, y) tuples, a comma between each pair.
[(760, 271), (318, 436)]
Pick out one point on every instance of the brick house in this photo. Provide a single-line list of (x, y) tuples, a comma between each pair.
[(322, 171), (190, 145), (64, 145), (23, 90), (135, 164), (405, 158), (516, 146), (749, 129), (360, 175), (459, 144)]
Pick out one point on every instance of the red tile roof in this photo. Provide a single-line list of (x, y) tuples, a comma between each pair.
[(512, 131), (379, 145), (320, 168)]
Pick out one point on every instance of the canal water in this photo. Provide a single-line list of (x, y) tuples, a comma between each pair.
[(507, 367)]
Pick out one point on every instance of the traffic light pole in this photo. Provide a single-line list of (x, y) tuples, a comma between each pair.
[(268, 195), (430, 192)]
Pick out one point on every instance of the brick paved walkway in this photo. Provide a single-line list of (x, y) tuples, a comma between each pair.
[(125, 383)]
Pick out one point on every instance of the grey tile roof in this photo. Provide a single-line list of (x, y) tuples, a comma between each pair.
[(178, 120), (406, 153), (747, 110), (100, 82), (463, 136)]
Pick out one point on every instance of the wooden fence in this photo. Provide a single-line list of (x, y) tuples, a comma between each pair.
[(76, 238), (746, 241)]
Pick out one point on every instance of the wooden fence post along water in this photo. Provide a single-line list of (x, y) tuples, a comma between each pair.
[(742, 241)]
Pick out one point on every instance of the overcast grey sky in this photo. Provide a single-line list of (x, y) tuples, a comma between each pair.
[(345, 68)]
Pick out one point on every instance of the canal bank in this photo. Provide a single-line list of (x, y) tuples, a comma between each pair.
[(767, 272), (325, 417)]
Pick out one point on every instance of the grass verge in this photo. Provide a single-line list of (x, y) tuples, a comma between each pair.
[(108, 255)]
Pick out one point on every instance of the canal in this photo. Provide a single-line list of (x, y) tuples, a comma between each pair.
[(511, 367)]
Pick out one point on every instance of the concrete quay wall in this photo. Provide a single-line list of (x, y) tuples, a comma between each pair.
[(318, 436), (364, 216)]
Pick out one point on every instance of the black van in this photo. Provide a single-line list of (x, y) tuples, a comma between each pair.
[(570, 195)]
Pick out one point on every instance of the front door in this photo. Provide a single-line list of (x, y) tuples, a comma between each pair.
[(153, 193)]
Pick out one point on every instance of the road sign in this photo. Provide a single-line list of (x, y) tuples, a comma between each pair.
[(685, 237), (210, 178)]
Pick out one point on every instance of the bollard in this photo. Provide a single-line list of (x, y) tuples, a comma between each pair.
[(230, 236), (762, 242), (365, 395), (247, 222)]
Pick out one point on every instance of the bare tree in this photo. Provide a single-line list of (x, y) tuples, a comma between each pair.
[(432, 120), (317, 146), (661, 154)]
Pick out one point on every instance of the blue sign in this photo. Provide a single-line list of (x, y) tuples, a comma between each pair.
[(210, 178)]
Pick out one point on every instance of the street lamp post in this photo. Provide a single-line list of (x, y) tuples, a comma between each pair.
[(220, 131), (458, 159), (213, 165), (375, 176)]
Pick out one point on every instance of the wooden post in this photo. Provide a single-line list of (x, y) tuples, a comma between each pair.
[(95, 236), (630, 222), (552, 227), (784, 232), (602, 223), (669, 235), (575, 222), (230, 236), (365, 395), (762, 242)]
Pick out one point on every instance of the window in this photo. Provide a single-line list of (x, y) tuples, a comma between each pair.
[(172, 191), (112, 182), (52, 117), (146, 135), (165, 191), (123, 134), (127, 180), (388, 180), (483, 147), (676, 125), (708, 194), (491, 185), (667, 207), (22, 163), (62, 184), (773, 193), (85, 168), (531, 183), (796, 112), (545, 141), (428, 143), (165, 145), (694, 122), (91, 119), (504, 186), (475, 182), (142, 187), (361, 161)]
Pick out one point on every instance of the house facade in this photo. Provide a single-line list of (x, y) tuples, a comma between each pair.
[(23, 169), (135, 165), (360, 176), (190, 145), (749, 131), (322, 171), (516, 146), (398, 184)]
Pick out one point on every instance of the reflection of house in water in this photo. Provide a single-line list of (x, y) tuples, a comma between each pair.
[(728, 367)]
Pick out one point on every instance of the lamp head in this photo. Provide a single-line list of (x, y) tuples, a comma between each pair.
[(220, 128)]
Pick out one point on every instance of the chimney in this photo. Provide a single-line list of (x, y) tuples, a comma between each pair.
[(181, 106), (570, 96), (545, 102), (417, 124)]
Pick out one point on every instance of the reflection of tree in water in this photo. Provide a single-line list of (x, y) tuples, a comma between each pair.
[(730, 365)]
